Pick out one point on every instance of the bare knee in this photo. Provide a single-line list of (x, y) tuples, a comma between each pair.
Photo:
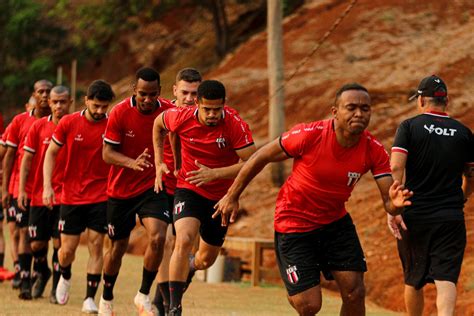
[(355, 295), (157, 241), (38, 245), (306, 307), (184, 243), (67, 253)]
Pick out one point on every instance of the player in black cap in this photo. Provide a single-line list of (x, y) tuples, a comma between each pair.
[(436, 153)]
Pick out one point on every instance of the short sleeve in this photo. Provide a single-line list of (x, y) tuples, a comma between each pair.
[(3, 141), (379, 160), (113, 131), (241, 134), (471, 149), (32, 141), (295, 141), (402, 138), (60, 132), (13, 137), (173, 118)]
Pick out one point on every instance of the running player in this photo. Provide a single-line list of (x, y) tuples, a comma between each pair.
[(43, 223), (78, 138), (213, 140), (128, 148), (185, 92), (313, 231), (15, 142)]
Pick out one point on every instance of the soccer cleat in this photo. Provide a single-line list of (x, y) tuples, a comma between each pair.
[(16, 281), (143, 303), (52, 297), (25, 289), (89, 307), (62, 290), (40, 284), (106, 308), (175, 312)]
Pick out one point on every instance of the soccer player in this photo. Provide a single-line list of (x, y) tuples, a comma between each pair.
[(313, 231), (15, 141), (128, 147), (213, 140), (185, 92), (435, 152), (78, 138), (43, 222)]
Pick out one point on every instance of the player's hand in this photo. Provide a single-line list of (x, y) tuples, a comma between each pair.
[(399, 195), (6, 199), (22, 200), (141, 162), (228, 208), (160, 170), (48, 197), (395, 223), (201, 176)]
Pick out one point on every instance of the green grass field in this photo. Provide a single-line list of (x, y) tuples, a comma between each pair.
[(231, 299)]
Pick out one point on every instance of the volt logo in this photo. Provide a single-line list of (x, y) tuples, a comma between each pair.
[(440, 131)]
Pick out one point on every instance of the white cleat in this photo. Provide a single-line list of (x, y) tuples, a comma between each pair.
[(143, 303), (62, 291), (106, 308), (89, 307)]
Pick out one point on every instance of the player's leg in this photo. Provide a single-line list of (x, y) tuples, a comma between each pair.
[(54, 221), (445, 297), (352, 289), (162, 294), (414, 300), (14, 239), (95, 243), (24, 253)]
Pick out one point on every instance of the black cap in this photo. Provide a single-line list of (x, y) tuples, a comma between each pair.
[(432, 86)]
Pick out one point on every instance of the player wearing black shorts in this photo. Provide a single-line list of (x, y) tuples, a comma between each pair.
[(435, 152)]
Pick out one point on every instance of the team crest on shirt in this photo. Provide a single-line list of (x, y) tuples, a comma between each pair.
[(111, 229), (79, 138), (32, 231), (47, 140), (130, 133), (353, 178), (292, 274), (221, 142), (61, 225), (178, 208)]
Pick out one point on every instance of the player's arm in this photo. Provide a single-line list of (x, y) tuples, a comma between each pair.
[(175, 142), (25, 168), (205, 174), (398, 161), (112, 156), (468, 180), (3, 150), (48, 167), (228, 206), (8, 161), (159, 133)]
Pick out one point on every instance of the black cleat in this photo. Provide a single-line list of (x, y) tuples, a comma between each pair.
[(16, 281), (52, 297), (40, 284), (25, 289)]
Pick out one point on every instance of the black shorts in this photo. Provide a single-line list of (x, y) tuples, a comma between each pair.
[(432, 251), (21, 216), (188, 203), (11, 214), (302, 257), (121, 212), (43, 223), (74, 219)]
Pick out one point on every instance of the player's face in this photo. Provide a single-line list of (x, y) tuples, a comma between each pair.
[(41, 94), (59, 104), (146, 94), (210, 111), (353, 111), (185, 92), (97, 109)]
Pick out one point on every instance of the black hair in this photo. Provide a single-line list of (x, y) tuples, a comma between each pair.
[(211, 90), (437, 101), (100, 90), (42, 81), (148, 74), (61, 90), (347, 87), (189, 75)]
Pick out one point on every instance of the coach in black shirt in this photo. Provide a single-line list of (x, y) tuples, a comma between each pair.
[(434, 152)]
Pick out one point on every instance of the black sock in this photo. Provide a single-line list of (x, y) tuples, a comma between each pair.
[(25, 265), (2, 259), (40, 260), (147, 280), (176, 293), (65, 272), (56, 272), (158, 299), (93, 281), (165, 292), (109, 282)]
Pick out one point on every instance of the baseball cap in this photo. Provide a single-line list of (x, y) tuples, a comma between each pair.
[(432, 86)]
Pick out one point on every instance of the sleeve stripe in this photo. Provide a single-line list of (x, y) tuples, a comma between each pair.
[(249, 144), (283, 148), (29, 149), (164, 123), (381, 175), (399, 150), (109, 141), (57, 141), (9, 143)]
